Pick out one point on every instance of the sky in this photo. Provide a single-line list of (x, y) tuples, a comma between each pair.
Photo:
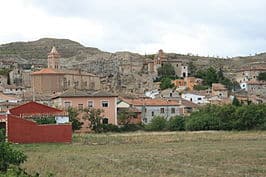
[(201, 27)]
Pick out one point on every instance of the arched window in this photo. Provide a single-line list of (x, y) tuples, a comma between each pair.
[(105, 120)]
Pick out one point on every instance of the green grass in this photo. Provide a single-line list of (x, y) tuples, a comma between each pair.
[(152, 154)]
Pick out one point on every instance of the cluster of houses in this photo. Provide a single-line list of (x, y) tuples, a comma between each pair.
[(59, 89)]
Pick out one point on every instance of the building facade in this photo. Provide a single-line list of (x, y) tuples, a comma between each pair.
[(97, 100), (151, 108), (53, 79)]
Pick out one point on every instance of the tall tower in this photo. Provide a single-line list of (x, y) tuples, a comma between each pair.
[(54, 59)]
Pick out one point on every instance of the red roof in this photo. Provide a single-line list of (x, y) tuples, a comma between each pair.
[(2, 117), (35, 109), (46, 71)]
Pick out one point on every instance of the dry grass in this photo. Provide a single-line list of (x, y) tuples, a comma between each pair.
[(152, 154)]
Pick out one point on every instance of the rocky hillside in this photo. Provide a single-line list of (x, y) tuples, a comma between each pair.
[(120, 71)]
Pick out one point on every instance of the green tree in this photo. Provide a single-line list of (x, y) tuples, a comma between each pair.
[(157, 124), (167, 70), (9, 155), (236, 102), (262, 76), (76, 124), (192, 69), (176, 123), (166, 83), (95, 118), (124, 116)]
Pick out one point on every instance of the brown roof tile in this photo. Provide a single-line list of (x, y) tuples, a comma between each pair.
[(151, 102)]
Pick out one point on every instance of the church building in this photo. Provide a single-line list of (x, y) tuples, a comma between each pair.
[(53, 79)]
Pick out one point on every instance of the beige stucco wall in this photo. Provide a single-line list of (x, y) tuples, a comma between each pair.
[(47, 83)]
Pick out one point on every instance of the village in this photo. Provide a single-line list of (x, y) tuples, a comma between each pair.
[(176, 94)]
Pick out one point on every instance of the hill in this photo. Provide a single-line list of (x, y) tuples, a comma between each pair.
[(121, 72)]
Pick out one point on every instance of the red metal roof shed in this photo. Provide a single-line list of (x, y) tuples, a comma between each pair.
[(35, 109)]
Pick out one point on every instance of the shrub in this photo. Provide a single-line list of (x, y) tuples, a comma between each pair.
[(45, 120), (131, 127), (103, 128), (156, 124), (8, 155), (176, 123)]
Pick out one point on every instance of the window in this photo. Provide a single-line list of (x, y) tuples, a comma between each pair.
[(90, 104), (67, 104), (152, 113), (80, 106), (172, 110), (171, 94), (105, 120), (145, 120), (105, 104), (162, 110), (199, 98)]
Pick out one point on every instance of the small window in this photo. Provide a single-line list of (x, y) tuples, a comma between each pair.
[(152, 113), (80, 106), (67, 104), (171, 94), (105, 104), (176, 65), (90, 104), (145, 120), (162, 110), (105, 120), (173, 110), (199, 98)]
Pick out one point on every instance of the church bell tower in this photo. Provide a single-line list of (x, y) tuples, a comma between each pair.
[(54, 59)]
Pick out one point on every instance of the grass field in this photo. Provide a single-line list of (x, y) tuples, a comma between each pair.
[(152, 154)]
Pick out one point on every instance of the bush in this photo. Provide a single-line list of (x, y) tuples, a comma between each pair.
[(176, 123), (228, 117), (103, 128), (8, 155), (156, 124), (131, 127), (45, 120)]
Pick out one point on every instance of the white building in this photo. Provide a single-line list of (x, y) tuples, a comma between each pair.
[(197, 99)]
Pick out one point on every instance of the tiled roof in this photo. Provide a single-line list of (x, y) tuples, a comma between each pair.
[(256, 82), (47, 71), (218, 86), (78, 72), (253, 68), (54, 50), (35, 109), (187, 103), (151, 102), (7, 97), (2, 117)]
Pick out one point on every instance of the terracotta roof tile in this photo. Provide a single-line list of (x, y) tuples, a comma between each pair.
[(218, 86), (151, 102), (47, 71), (256, 82)]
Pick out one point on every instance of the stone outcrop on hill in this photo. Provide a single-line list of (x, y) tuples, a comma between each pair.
[(120, 72)]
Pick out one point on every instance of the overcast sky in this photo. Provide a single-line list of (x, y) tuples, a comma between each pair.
[(204, 27)]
